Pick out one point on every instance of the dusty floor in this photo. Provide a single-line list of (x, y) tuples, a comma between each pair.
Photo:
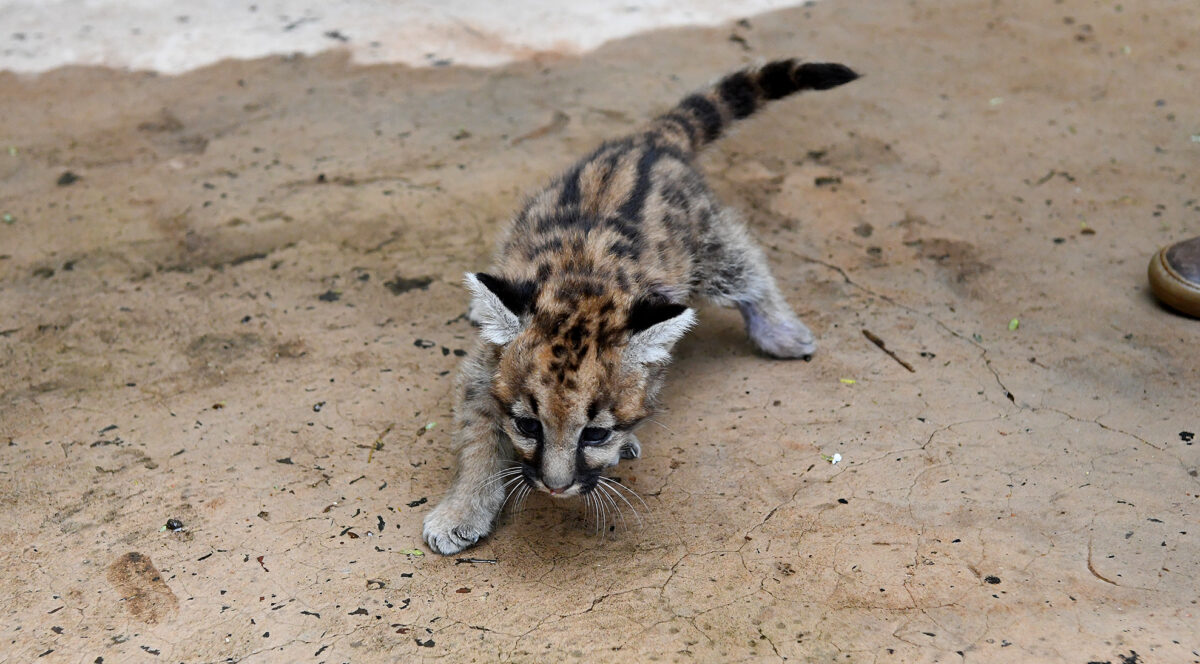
[(244, 314)]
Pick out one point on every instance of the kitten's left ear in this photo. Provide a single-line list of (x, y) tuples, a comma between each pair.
[(498, 304), (655, 325)]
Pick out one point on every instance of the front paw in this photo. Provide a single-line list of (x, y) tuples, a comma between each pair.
[(632, 449), (448, 531)]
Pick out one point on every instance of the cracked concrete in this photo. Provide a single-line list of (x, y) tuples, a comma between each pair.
[(226, 320)]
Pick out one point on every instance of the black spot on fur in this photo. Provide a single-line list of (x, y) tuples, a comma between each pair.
[(739, 93), (625, 228), (570, 192), (552, 244), (667, 149), (549, 324), (678, 120), (566, 218), (517, 296), (651, 311), (775, 79), (706, 115), (608, 334), (622, 280), (676, 197), (624, 250), (574, 336), (631, 209)]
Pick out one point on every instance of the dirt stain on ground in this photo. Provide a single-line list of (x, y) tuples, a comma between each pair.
[(144, 594)]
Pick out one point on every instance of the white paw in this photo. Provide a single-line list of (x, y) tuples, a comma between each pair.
[(785, 339), (448, 531)]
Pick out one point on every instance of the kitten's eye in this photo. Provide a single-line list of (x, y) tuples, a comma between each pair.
[(528, 426), (594, 435)]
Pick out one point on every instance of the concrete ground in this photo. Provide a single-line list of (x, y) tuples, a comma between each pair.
[(233, 298)]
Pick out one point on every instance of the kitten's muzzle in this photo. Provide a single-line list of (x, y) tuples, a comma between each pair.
[(534, 479)]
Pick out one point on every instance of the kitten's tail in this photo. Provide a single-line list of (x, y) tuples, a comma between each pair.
[(701, 118)]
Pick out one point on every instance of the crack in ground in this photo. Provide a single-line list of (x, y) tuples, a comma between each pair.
[(1100, 424), (955, 333)]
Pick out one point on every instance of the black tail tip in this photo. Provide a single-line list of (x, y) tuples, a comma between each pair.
[(823, 75)]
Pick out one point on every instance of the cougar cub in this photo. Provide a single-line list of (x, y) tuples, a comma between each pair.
[(588, 293)]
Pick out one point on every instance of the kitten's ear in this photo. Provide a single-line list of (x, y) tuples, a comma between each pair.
[(497, 305), (655, 326)]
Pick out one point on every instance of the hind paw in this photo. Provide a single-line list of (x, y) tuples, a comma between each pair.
[(787, 339)]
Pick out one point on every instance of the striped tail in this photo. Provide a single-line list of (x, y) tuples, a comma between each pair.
[(701, 118)]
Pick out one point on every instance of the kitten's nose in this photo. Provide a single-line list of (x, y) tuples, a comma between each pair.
[(555, 490)]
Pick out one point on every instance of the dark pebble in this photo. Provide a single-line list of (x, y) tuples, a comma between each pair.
[(403, 285), (1186, 436), (329, 296), (67, 179), (174, 524), (992, 579)]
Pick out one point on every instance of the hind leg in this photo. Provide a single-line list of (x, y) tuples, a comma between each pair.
[(736, 274)]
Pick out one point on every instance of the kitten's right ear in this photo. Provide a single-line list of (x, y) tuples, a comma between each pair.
[(498, 305)]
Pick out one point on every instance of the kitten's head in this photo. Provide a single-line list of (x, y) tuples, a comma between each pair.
[(579, 367)]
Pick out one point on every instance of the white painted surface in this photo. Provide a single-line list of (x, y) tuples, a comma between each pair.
[(173, 36)]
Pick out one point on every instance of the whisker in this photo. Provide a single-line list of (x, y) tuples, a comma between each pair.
[(651, 419), (501, 474), (610, 483), (511, 491), (619, 485), (616, 508), (593, 512), (524, 494), (601, 527), (510, 482)]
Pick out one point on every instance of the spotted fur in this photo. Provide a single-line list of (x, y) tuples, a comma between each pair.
[(588, 293)]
